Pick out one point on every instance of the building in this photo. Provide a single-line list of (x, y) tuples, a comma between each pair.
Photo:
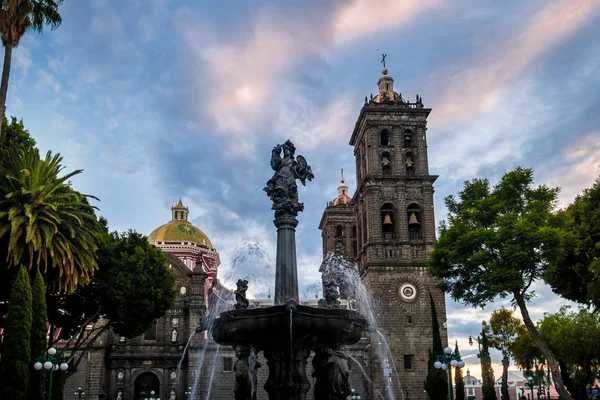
[(388, 229)]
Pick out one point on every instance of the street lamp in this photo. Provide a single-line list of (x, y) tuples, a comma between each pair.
[(80, 392), (530, 385), (354, 395), (51, 362), (478, 340), (446, 362), (152, 396), (188, 392)]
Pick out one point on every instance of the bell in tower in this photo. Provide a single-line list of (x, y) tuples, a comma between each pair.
[(387, 220), (413, 221), (180, 212)]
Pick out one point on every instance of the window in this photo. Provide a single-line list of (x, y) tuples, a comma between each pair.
[(384, 136), (386, 163), (407, 138), (413, 216), (227, 364), (409, 162), (409, 319), (150, 333), (339, 231), (387, 221), (408, 361)]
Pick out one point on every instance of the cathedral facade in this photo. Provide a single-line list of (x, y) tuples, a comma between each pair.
[(386, 228)]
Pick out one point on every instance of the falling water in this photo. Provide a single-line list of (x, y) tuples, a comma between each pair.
[(389, 352), (251, 372), (361, 368), (184, 352), (212, 373), (336, 267)]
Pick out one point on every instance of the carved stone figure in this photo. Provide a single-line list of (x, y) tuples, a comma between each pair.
[(245, 367), (331, 370), (331, 295), (174, 335), (282, 188), (119, 394), (240, 295), (172, 395)]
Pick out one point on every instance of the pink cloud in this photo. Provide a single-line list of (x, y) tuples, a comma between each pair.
[(243, 78), (482, 86)]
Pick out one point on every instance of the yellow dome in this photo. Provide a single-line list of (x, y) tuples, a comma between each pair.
[(179, 231)]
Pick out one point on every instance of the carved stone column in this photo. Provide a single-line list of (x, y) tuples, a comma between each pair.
[(287, 372), (286, 271)]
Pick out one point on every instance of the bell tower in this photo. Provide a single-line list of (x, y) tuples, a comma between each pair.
[(395, 225)]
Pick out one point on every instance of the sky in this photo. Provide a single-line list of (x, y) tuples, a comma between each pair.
[(161, 99)]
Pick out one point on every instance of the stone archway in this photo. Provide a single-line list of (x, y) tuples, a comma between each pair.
[(144, 384)]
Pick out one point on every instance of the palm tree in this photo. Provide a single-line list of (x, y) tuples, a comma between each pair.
[(16, 17), (46, 222)]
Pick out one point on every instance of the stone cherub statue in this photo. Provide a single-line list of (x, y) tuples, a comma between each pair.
[(282, 188), (240, 295), (331, 295)]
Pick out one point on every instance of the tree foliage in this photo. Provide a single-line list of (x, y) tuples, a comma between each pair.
[(496, 243), (15, 139), (575, 274), (504, 331), (459, 382), (132, 287), (574, 337), (436, 382), (16, 355), (49, 225), (16, 18), (39, 343), (487, 372)]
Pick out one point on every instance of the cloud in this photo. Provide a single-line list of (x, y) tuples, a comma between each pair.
[(361, 18), (480, 86), (46, 81)]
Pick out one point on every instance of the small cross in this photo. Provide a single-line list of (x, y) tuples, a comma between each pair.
[(383, 56), (342, 173)]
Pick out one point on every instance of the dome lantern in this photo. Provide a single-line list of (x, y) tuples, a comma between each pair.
[(179, 212)]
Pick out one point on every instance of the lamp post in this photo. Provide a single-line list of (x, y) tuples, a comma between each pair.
[(530, 385), (79, 392), (446, 362), (51, 362), (152, 396), (478, 340), (188, 392), (354, 395)]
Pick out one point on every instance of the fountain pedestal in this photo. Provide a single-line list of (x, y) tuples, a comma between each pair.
[(286, 270)]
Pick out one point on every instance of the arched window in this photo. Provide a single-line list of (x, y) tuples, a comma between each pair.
[(409, 162), (413, 218), (386, 163), (407, 138), (339, 231), (387, 221), (384, 136)]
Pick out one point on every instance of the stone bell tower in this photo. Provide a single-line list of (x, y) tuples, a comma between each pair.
[(395, 229)]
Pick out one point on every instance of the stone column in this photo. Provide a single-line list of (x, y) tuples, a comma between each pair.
[(286, 270)]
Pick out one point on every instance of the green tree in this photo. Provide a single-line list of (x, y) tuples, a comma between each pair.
[(436, 382), (132, 287), (39, 329), (49, 225), (15, 139), (496, 243), (16, 357), (575, 273), (574, 337), (487, 372), (459, 382), (16, 18), (505, 329)]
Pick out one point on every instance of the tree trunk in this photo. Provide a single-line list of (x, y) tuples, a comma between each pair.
[(541, 344), (4, 85), (504, 389)]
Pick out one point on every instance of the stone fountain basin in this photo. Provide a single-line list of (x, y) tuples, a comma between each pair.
[(261, 327)]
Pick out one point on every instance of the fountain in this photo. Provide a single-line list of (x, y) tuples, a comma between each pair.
[(288, 332)]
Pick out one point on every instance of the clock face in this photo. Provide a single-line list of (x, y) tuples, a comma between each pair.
[(186, 228)]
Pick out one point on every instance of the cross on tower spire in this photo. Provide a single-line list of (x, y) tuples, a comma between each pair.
[(383, 56)]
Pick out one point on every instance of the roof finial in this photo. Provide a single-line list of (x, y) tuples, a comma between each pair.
[(342, 180), (383, 56)]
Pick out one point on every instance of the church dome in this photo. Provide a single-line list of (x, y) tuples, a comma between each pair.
[(342, 197), (179, 229)]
